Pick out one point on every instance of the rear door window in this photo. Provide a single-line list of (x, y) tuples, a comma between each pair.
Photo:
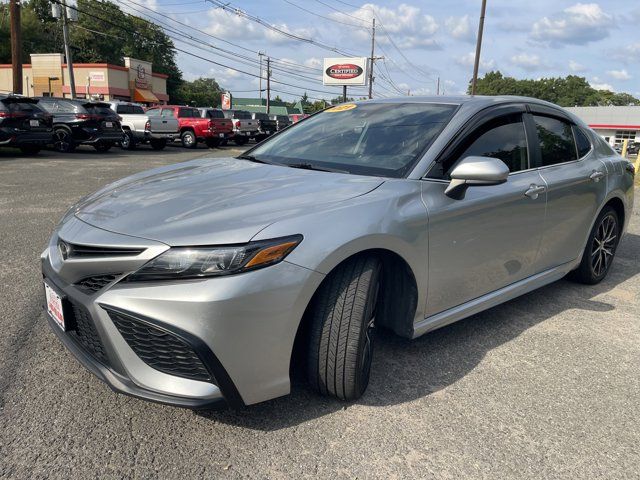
[(188, 113), (556, 140)]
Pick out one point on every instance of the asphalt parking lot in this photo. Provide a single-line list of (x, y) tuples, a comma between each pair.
[(545, 386)]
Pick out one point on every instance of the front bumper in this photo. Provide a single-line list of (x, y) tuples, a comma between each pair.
[(242, 327)]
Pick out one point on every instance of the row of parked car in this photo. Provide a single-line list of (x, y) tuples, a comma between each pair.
[(33, 123)]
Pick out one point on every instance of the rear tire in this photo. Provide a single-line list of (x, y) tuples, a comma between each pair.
[(212, 142), (128, 142), (341, 336), (63, 141), (600, 250), (189, 139), (30, 149), (241, 141), (158, 144)]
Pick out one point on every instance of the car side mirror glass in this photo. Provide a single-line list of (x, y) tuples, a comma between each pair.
[(476, 171)]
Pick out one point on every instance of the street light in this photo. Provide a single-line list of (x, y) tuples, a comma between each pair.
[(51, 78)]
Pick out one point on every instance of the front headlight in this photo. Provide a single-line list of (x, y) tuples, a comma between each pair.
[(197, 262)]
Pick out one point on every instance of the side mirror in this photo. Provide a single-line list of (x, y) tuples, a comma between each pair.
[(476, 171)]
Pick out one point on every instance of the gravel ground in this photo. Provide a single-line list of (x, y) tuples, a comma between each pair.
[(545, 386)]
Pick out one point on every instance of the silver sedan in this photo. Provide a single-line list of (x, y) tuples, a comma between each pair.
[(209, 282)]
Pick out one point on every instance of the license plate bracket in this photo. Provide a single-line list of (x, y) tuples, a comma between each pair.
[(55, 306)]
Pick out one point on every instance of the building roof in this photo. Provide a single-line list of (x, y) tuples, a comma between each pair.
[(276, 107), (619, 118)]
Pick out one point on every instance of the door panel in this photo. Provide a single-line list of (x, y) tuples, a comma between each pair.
[(483, 242), (573, 198)]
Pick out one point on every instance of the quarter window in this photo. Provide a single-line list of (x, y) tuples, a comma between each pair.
[(556, 140), (506, 141), (582, 142)]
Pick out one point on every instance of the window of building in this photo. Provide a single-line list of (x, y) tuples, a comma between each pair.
[(622, 135)]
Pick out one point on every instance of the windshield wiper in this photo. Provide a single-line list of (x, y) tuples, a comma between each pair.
[(251, 158), (309, 166)]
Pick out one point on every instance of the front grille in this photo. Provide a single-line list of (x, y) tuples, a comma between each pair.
[(72, 250), (96, 282), (160, 349), (85, 333)]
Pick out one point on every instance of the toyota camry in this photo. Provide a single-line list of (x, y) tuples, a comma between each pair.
[(209, 282)]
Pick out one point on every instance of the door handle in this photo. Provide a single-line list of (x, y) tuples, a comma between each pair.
[(596, 176), (534, 190)]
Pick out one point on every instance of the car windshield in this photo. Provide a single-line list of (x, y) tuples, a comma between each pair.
[(384, 139)]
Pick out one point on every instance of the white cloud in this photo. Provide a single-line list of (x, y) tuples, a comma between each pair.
[(630, 53), (576, 67), (408, 26), (468, 59), (619, 74), (229, 26), (460, 28), (576, 25), (598, 84), (529, 62)]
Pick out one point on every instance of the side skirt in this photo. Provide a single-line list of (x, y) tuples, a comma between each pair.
[(492, 299)]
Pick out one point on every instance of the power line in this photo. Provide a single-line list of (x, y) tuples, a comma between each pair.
[(326, 18)]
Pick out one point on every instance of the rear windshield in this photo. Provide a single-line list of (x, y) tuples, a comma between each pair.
[(98, 109), (130, 109), (25, 107), (261, 116), (380, 139), (241, 115), (215, 114)]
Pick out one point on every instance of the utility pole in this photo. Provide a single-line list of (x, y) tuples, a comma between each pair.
[(476, 64), (67, 49), (260, 55), (373, 45), (16, 45), (438, 86), (268, 83)]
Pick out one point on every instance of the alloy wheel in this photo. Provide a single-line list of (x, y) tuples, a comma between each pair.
[(604, 245), (62, 141)]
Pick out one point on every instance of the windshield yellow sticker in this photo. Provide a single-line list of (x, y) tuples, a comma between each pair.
[(342, 108)]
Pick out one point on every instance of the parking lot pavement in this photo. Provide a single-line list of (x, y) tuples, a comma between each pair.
[(545, 386)]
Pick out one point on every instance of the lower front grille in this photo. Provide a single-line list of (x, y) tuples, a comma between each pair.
[(160, 349), (85, 333), (96, 282)]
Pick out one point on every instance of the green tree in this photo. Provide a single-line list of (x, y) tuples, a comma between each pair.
[(565, 91), (202, 92)]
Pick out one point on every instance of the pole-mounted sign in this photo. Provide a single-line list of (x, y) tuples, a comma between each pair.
[(345, 71)]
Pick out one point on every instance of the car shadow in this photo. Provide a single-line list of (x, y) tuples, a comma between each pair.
[(405, 370)]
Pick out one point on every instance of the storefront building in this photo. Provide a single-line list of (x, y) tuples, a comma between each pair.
[(47, 75), (614, 124)]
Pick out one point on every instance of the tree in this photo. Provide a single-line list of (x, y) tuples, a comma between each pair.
[(565, 91), (202, 92)]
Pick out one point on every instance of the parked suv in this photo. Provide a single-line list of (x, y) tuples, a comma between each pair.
[(244, 127), (194, 128), (82, 122), (223, 126), (23, 124), (282, 121), (266, 126), (140, 127)]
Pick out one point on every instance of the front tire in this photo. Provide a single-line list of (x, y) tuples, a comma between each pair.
[(600, 250), (341, 336), (128, 142)]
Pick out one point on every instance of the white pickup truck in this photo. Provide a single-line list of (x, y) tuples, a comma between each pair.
[(244, 127), (140, 127)]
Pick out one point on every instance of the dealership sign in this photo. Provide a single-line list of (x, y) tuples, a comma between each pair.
[(345, 71)]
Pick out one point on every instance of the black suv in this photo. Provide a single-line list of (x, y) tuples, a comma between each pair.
[(266, 126), (23, 124), (82, 122)]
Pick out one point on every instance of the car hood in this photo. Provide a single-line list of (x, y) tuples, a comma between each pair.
[(214, 201)]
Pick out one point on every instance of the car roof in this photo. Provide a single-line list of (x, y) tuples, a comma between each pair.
[(475, 100)]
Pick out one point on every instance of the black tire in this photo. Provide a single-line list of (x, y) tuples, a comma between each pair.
[(212, 142), (158, 144), (30, 149), (341, 333), (224, 143), (189, 139), (600, 250), (103, 146), (240, 140), (128, 142), (63, 141)]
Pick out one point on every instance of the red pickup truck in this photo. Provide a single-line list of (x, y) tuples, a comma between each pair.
[(194, 128)]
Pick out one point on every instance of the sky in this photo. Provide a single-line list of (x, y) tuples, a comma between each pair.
[(419, 40)]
